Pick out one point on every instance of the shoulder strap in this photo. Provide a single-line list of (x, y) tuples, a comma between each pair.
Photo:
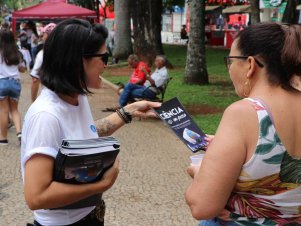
[(264, 105)]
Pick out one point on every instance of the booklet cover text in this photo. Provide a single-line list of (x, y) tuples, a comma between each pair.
[(174, 114)]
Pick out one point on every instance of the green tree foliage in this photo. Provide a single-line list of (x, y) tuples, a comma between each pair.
[(92, 4), (14, 4), (89, 4)]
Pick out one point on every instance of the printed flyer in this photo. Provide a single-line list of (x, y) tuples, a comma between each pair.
[(174, 114)]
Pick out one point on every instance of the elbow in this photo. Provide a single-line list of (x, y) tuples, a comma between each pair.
[(34, 203), (201, 210), (196, 214), (201, 213)]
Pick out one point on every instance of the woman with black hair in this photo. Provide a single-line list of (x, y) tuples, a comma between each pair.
[(74, 56), (11, 65)]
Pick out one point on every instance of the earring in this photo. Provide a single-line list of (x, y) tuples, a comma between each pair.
[(248, 85)]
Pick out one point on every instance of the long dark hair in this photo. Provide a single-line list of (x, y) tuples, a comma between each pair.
[(62, 70), (8, 48)]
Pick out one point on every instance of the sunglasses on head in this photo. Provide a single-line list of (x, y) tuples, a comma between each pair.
[(103, 56)]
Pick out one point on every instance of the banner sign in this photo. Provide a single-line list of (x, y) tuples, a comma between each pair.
[(272, 4)]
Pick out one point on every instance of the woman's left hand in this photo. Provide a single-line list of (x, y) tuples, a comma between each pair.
[(142, 109)]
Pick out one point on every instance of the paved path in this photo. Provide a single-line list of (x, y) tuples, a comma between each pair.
[(152, 180)]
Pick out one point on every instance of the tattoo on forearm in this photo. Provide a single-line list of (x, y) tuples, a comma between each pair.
[(104, 127)]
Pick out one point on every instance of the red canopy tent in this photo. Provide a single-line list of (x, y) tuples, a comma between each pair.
[(51, 9)]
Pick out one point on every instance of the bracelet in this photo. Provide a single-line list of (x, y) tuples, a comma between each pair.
[(124, 115), (127, 114)]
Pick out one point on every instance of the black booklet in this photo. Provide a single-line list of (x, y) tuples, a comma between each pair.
[(85, 161), (177, 118)]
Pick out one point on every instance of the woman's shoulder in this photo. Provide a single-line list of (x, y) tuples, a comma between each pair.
[(241, 107), (240, 114)]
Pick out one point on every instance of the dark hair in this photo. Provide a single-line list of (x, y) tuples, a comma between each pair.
[(278, 45), (62, 70), (8, 48), (133, 57), (31, 25)]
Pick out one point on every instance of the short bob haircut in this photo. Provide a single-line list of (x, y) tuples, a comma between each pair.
[(62, 70)]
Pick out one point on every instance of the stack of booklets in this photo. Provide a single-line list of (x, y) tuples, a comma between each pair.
[(85, 161)]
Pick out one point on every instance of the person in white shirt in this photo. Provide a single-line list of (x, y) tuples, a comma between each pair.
[(74, 56), (11, 65), (151, 87), (35, 80)]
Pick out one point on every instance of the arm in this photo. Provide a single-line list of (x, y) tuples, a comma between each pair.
[(21, 66), (148, 77), (143, 74), (41, 192), (42, 136), (111, 123), (213, 183), (151, 81)]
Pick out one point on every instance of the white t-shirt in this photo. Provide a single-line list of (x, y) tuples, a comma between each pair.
[(37, 64), (6, 71), (159, 76), (49, 120)]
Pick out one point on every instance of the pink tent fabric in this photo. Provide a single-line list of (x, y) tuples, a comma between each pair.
[(52, 9)]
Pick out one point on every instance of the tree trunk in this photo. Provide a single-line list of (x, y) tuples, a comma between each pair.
[(122, 42), (290, 14), (255, 12), (146, 15), (196, 67)]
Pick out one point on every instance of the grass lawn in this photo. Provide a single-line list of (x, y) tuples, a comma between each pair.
[(205, 102)]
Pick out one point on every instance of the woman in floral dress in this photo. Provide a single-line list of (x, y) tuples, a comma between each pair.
[(251, 173)]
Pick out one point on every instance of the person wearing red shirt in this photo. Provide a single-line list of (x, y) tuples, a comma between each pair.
[(141, 70)]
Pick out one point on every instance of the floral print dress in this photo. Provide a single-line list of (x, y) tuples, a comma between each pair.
[(268, 190)]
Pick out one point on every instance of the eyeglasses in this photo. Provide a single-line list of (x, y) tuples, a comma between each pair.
[(103, 56), (228, 60)]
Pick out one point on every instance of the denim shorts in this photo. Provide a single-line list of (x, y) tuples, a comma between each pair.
[(10, 87)]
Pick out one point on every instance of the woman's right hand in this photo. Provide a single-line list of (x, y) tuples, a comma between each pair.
[(193, 170), (209, 138), (142, 109), (111, 174)]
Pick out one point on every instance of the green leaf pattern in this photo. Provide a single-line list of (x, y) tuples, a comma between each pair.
[(265, 124), (272, 152), (263, 149), (276, 159)]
